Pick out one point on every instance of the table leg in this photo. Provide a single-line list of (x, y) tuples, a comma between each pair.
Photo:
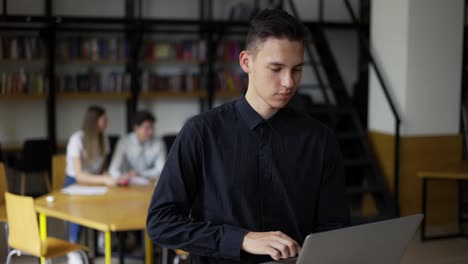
[(121, 237), (165, 255), (43, 231), (148, 249), (107, 245), (460, 207), (424, 207)]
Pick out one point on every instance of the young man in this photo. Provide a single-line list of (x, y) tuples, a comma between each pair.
[(247, 182), (139, 153)]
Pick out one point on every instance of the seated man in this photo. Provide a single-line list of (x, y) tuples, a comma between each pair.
[(139, 153)]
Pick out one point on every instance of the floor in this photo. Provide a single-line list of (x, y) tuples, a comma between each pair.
[(447, 251)]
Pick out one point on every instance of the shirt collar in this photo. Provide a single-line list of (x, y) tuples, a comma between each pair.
[(250, 116)]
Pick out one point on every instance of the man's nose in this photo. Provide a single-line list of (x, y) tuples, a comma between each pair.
[(287, 80)]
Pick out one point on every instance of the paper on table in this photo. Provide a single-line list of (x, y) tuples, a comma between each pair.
[(139, 181), (85, 190)]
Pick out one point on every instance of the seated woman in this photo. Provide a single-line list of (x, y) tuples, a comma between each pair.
[(86, 153)]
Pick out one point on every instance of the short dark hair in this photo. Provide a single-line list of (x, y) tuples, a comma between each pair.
[(142, 116), (274, 23)]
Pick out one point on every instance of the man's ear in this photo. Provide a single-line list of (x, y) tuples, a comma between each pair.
[(245, 61)]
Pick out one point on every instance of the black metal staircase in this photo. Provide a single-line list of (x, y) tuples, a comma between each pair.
[(335, 108)]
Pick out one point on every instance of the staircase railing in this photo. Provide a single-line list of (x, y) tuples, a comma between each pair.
[(388, 97), (312, 61)]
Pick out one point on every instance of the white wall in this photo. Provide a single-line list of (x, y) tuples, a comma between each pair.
[(22, 119), (435, 66), (388, 43), (70, 114), (171, 113), (419, 45), (24, 7)]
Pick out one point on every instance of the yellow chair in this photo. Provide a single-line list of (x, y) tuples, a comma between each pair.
[(24, 232), (3, 189), (59, 162)]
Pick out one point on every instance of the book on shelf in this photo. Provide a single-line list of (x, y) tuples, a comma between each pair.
[(184, 82), (231, 81), (228, 50), (20, 47), (93, 81), (93, 48), (159, 51), (22, 83)]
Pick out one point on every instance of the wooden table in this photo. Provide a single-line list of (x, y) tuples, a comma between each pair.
[(120, 209), (454, 172)]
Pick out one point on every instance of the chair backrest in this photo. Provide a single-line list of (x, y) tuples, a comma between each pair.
[(113, 139), (1, 153), (169, 140), (3, 182), (59, 163), (36, 155), (465, 130), (22, 224)]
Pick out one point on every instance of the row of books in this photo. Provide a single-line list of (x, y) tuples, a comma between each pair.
[(20, 47), (22, 83), (93, 81), (191, 50), (231, 81), (194, 50), (36, 83), (115, 48), (188, 82), (93, 48)]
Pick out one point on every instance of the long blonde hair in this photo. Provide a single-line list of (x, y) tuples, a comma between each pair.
[(93, 140)]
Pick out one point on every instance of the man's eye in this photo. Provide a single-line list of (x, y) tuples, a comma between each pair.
[(275, 69), (298, 69)]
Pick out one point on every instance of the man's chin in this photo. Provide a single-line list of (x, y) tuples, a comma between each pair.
[(278, 104)]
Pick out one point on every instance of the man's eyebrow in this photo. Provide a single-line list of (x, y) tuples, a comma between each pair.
[(275, 64), (281, 64)]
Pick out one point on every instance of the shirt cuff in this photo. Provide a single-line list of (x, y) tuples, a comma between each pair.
[(231, 243)]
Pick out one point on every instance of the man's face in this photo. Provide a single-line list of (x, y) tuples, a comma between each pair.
[(275, 71), (144, 132)]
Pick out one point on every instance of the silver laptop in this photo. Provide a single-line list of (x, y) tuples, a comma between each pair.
[(381, 242)]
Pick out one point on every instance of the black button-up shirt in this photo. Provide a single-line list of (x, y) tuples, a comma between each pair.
[(230, 171)]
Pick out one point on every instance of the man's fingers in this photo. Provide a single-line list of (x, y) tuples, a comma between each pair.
[(293, 246), (282, 248), (274, 254)]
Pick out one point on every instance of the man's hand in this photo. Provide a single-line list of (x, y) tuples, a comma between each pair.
[(276, 244)]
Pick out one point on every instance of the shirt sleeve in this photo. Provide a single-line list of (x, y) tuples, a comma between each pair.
[(74, 146), (115, 168), (156, 169), (333, 207), (169, 223)]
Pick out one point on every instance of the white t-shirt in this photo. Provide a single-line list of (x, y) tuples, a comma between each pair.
[(75, 149)]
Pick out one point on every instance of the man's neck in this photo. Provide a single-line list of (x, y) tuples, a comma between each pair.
[(140, 141), (259, 105)]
